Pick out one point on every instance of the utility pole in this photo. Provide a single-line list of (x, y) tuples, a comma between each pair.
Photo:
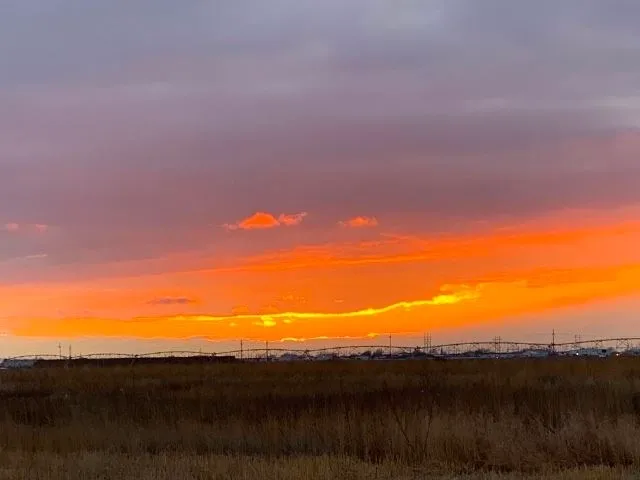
[(69, 351), (241, 350), (266, 350), (389, 344), (553, 341), (60, 350)]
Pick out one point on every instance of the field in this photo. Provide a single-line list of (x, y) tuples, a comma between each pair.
[(503, 419)]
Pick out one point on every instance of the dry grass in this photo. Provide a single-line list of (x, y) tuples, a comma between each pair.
[(400, 420), (100, 465)]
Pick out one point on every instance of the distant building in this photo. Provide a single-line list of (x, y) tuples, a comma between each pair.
[(16, 363), (595, 352)]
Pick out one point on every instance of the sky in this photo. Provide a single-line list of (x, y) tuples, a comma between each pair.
[(182, 174)]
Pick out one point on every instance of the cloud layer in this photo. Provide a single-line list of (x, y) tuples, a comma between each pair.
[(127, 139), (465, 109)]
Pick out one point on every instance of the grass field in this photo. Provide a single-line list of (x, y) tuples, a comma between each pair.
[(564, 418)]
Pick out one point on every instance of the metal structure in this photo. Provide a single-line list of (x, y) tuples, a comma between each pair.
[(496, 348)]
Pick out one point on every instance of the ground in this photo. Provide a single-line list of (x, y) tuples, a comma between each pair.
[(502, 419)]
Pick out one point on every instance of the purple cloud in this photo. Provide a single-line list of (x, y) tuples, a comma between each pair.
[(132, 133)]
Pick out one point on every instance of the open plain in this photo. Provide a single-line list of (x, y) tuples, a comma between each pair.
[(554, 418)]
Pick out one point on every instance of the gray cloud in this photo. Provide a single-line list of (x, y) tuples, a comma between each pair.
[(136, 126), (171, 301)]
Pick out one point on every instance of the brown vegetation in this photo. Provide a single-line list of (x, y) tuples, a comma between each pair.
[(411, 419)]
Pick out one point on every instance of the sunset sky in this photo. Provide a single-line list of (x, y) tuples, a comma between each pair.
[(189, 174)]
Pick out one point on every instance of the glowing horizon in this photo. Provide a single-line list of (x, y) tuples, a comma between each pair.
[(468, 289)]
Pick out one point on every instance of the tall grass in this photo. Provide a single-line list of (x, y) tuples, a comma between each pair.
[(456, 417)]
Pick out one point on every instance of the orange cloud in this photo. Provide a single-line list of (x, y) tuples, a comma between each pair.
[(240, 310), (171, 301), (258, 220), (291, 220), (398, 249), (269, 309), (359, 222), (263, 220), (291, 297)]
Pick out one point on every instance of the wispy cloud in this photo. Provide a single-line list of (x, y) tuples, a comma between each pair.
[(171, 301), (213, 326), (359, 222), (396, 249), (291, 220), (263, 220), (37, 256), (14, 227)]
